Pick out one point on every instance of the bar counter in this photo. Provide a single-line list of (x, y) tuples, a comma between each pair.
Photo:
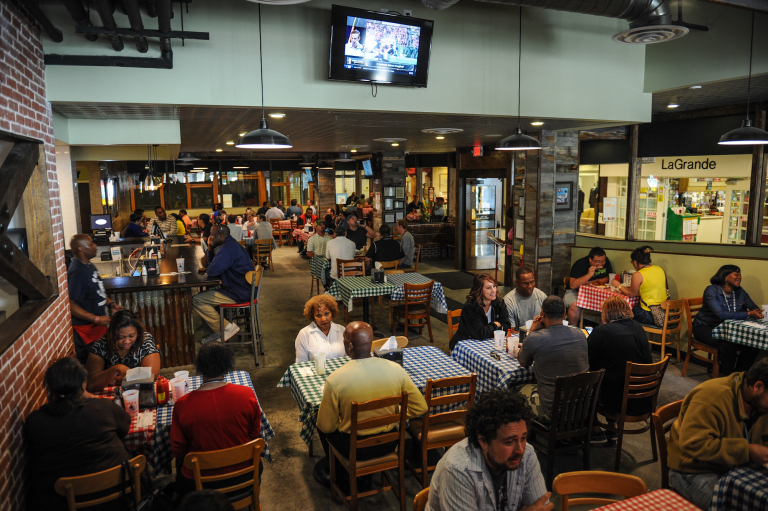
[(164, 302)]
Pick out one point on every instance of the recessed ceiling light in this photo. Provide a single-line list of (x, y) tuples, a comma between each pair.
[(277, 116), (395, 144), (219, 150), (240, 167), (695, 87), (200, 168), (537, 123), (353, 150), (242, 134), (440, 138), (230, 142)]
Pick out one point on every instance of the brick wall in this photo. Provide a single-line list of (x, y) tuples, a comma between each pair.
[(24, 111)]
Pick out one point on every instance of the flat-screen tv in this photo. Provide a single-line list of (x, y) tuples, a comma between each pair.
[(367, 169), (369, 46), (308, 173), (101, 222)]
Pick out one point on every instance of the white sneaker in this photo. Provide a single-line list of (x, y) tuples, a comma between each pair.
[(215, 337), (230, 330)]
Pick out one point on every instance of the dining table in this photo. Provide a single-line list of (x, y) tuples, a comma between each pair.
[(744, 488), (592, 297), (420, 362), (505, 372), (658, 500), (752, 333), (153, 440), (347, 289)]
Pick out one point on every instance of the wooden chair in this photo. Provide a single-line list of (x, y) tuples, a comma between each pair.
[(312, 283), (568, 484), (394, 460), (294, 226), (662, 416), (262, 252), (440, 430), (692, 306), (673, 321), (415, 266), (112, 478), (352, 268), (402, 342), (417, 302), (394, 272), (420, 501), (278, 233), (573, 410), (453, 327), (641, 381), (250, 320), (240, 495), (389, 265)]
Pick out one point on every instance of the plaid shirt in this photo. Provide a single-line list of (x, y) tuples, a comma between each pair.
[(316, 244), (168, 226)]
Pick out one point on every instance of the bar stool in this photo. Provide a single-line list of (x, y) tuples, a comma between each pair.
[(248, 314)]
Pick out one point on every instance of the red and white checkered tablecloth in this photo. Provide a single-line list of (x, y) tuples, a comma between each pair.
[(367, 210), (592, 298), (140, 440), (659, 500), (301, 235), (284, 224)]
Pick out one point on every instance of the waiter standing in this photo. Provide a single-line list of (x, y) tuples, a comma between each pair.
[(87, 299)]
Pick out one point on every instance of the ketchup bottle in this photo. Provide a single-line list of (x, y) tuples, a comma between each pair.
[(163, 390)]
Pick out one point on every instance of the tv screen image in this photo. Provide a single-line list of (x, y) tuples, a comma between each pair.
[(101, 222), (381, 48), (367, 169)]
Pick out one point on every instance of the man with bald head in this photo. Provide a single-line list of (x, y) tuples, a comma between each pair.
[(87, 299), (363, 378), (229, 261)]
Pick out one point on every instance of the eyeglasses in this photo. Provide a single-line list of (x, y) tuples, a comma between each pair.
[(495, 355)]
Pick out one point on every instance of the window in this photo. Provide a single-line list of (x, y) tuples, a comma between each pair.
[(201, 196), (243, 189), (148, 200), (175, 195), (345, 182)]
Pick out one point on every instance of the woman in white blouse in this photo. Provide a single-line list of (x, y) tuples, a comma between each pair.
[(322, 335)]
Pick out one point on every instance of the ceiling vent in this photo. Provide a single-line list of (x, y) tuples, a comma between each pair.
[(442, 131)]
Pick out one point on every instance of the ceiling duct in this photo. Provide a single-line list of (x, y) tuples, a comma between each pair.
[(106, 9), (650, 21)]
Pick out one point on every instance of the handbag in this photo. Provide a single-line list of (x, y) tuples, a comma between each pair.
[(659, 313), (155, 500)]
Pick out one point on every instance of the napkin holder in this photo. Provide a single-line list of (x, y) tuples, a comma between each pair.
[(522, 333), (378, 276), (395, 355), (146, 388)]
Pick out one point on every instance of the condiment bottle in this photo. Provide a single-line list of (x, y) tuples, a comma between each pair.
[(162, 390), (509, 334)]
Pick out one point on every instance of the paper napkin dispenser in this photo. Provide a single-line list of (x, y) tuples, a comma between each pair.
[(378, 276), (395, 355)]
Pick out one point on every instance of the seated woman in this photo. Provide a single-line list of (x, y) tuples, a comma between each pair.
[(611, 345), (217, 415), (649, 282), (125, 346), (726, 299), (135, 229), (181, 228), (482, 313), (322, 335), (71, 435)]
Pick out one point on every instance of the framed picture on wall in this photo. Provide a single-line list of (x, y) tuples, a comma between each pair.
[(563, 196), (399, 215), (400, 192), (389, 218), (399, 204), (389, 191), (387, 204)]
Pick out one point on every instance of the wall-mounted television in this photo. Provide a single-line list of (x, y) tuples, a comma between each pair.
[(369, 46), (367, 169)]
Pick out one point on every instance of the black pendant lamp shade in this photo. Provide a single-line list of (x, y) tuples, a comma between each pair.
[(263, 138), (519, 141), (747, 134)]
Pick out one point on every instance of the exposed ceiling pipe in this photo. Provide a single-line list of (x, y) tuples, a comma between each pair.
[(164, 14), (80, 15), (106, 9), (152, 8), (752, 5), (131, 8)]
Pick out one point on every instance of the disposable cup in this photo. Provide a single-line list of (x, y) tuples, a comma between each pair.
[(183, 375), (565, 322), (513, 344), (611, 277), (498, 339), (529, 324), (178, 388), (180, 264), (320, 363), (131, 401), (765, 310)]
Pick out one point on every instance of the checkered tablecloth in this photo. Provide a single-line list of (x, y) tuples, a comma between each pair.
[(155, 443), (438, 295), (592, 298), (140, 440), (367, 210), (284, 224), (317, 267), (659, 500), (740, 332), (491, 373), (346, 289), (742, 489), (301, 235), (420, 363)]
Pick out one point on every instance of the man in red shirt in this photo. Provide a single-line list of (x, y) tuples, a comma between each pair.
[(216, 416)]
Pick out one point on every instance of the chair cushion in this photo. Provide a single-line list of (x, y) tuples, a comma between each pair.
[(441, 432), (400, 309), (389, 458), (234, 305)]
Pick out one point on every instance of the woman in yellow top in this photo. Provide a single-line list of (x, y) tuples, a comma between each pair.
[(649, 282)]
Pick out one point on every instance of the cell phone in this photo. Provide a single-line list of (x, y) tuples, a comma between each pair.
[(361, 223)]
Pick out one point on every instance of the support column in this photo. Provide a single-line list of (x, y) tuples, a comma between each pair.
[(633, 185), (757, 185)]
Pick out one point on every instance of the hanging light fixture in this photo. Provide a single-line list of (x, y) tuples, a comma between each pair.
[(747, 134), (263, 138), (519, 141)]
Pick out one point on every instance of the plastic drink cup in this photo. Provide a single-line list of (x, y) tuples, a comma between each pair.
[(184, 376), (499, 339), (529, 324), (611, 277), (180, 264), (131, 402), (513, 344), (320, 363), (178, 388)]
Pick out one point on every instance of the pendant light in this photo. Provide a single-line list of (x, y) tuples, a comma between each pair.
[(747, 134), (263, 138), (519, 141)]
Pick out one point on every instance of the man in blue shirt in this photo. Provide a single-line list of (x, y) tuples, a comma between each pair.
[(230, 263)]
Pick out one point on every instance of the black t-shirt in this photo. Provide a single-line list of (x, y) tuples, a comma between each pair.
[(86, 289), (581, 267), (207, 230), (261, 211), (413, 205), (385, 250), (358, 236)]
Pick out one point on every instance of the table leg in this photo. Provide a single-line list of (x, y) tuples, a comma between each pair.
[(365, 311)]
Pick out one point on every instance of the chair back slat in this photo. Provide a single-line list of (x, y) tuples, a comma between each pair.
[(456, 397), (663, 419), (418, 294), (352, 269), (643, 381), (378, 422), (358, 426), (72, 487), (209, 460), (453, 326), (575, 398), (389, 265), (451, 416), (372, 441), (692, 306), (594, 481)]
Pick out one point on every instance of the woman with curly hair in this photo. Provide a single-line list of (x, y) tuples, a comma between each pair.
[(483, 312), (322, 335)]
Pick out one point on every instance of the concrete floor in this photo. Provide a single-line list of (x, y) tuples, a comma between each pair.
[(287, 482)]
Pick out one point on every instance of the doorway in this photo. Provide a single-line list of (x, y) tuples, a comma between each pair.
[(485, 215)]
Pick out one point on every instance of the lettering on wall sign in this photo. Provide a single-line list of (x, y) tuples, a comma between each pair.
[(680, 164)]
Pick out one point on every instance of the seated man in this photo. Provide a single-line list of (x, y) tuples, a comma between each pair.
[(358, 233), (230, 264), (407, 242), (723, 424), (363, 378), (338, 248), (385, 250), (166, 223), (274, 212), (281, 207), (318, 241), (235, 230), (204, 225), (556, 349), (263, 209), (592, 270), (525, 300), (263, 229), (293, 210), (494, 467)]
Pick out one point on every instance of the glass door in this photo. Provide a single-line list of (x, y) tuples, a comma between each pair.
[(484, 216), (738, 204)]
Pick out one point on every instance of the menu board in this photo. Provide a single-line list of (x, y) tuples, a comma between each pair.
[(610, 207)]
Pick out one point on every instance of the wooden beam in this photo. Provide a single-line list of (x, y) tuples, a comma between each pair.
[(14, 175), (17, 323), (757, 185), (633, 185), (17, 269), (37, 216)]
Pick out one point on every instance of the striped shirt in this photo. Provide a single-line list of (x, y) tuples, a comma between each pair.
[(168, 226), (462, 481), (316, 244)]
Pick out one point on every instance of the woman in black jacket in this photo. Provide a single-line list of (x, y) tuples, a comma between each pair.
[(483, 312)]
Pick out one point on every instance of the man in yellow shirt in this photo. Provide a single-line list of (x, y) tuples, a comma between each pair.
[(723, 424), (363, 378)]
